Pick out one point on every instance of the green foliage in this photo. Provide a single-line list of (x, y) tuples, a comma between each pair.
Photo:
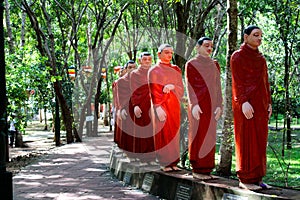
[(23, 77), (104, 97)]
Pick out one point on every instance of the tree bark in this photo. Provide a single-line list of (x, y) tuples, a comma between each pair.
[(224, 167), (288, 111), (10, 40), (4, 151), (45, 113), (219, 24), (182, 13)]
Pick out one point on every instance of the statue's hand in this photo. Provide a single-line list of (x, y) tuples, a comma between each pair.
[(270, 110), (196, 111), (218, 113), (168, 88), (161, 114), (247, 109), (137, 111), (123, 114)]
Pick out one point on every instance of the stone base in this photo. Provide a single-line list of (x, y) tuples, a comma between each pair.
[(6, 186), (182, 185)]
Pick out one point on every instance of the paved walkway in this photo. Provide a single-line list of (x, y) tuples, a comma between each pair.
[(74, 171)]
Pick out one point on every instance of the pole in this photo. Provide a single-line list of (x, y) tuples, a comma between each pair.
[(5, 176)]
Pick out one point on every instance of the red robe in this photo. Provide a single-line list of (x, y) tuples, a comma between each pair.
[(117, 130), (143, 128), (166, 133), (204, 88), (250, 83), (124, 95)]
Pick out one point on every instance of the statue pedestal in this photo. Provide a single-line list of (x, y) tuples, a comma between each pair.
[(6, 186), (182, 185)]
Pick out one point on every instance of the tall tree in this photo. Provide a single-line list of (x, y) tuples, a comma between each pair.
[(8, 28), (287, 16), (187, 26), (197, 27), (3, 101), (182, 10), (70, 17), (225, 161), (102, 61), (47, 48), (131, 32)]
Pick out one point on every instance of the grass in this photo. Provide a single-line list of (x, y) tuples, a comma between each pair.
[(295, 122), (283, 165), (282, 171)]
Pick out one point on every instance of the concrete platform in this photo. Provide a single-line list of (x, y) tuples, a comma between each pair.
[(182, 186)]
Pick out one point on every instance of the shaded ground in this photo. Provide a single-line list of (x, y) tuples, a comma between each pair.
[(74, 171), (37, 143)]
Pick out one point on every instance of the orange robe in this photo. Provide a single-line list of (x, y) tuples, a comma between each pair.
[(124, 95), (204, 88), (250, 83), (143, 128), (166, 133)]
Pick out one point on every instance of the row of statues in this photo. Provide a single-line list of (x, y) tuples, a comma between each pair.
[(147, 103)]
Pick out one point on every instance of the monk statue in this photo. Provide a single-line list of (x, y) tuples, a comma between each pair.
[(205, 108), (166, 89), (251, 103)]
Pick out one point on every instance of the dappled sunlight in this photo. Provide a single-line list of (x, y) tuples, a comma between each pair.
[(50, 164), (75, 171), (30, 184), (30, 176), (95, 170)]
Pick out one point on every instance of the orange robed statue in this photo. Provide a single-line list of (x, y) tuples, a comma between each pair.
[(166, 89)]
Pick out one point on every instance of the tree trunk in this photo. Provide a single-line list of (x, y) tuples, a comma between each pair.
[(4, 153), (288, 113), (81, 121), (101, 64), (23, 28), (89, 121), (96, 102), (57, 123), (108, 86), (181, 29), (45, 113), (10, 40), (66, 112), (219, 32), (225, 161)]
